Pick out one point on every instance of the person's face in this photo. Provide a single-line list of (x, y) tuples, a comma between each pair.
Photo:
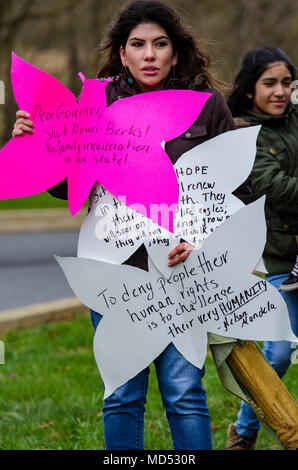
[(272, 90), (149, 56)]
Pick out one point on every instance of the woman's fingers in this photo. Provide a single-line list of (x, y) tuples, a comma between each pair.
[(179, 253), (22, 114), (17, 132), (20, 129), (27, 122), (22, 124)]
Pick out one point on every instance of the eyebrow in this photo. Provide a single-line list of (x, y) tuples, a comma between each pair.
[(274, 78), (143, 40)]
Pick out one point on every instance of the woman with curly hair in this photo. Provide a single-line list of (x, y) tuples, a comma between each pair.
[(262, 95)]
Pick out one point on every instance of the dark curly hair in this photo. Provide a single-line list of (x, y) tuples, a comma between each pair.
[(253, 65), (193, 60)]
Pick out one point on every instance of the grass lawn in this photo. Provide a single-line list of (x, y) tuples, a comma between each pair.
[(51, 393), (40, 201)]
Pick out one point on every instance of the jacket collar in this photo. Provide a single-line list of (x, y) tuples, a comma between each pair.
[(125, 89), (259, 118)]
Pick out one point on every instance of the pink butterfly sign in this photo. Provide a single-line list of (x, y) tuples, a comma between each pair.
[(119, 146)]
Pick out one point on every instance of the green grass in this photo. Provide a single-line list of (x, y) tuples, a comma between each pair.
[(51, 393), (40, 201)]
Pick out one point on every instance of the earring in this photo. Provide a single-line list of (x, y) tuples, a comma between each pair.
[(129, 77), (173, 72)]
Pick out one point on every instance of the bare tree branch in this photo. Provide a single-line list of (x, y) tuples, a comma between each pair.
[(12, 26), (57, 10)]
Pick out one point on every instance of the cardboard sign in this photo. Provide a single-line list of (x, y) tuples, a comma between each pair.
[(207, 176), (119, 146), (212, 291)]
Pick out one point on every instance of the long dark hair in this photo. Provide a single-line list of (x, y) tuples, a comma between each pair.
[(193, 60), (253, 65)]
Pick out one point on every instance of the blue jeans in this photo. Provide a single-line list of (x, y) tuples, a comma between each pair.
[(278, 353), (183, 396)]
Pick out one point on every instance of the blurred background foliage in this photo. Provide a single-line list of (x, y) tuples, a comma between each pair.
[(62, 36)]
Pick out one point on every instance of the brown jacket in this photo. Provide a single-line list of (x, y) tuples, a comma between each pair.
[(214, 119)]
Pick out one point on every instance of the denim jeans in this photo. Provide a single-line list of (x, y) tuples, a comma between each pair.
[(278, 353), (183, 396)]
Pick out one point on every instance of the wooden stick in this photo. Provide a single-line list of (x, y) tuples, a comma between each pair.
[(275, 408)]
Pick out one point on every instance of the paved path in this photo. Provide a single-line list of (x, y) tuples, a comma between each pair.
[(29, 273)]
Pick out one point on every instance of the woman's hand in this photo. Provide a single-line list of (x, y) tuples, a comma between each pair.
[(23, 124), (180, 253)]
